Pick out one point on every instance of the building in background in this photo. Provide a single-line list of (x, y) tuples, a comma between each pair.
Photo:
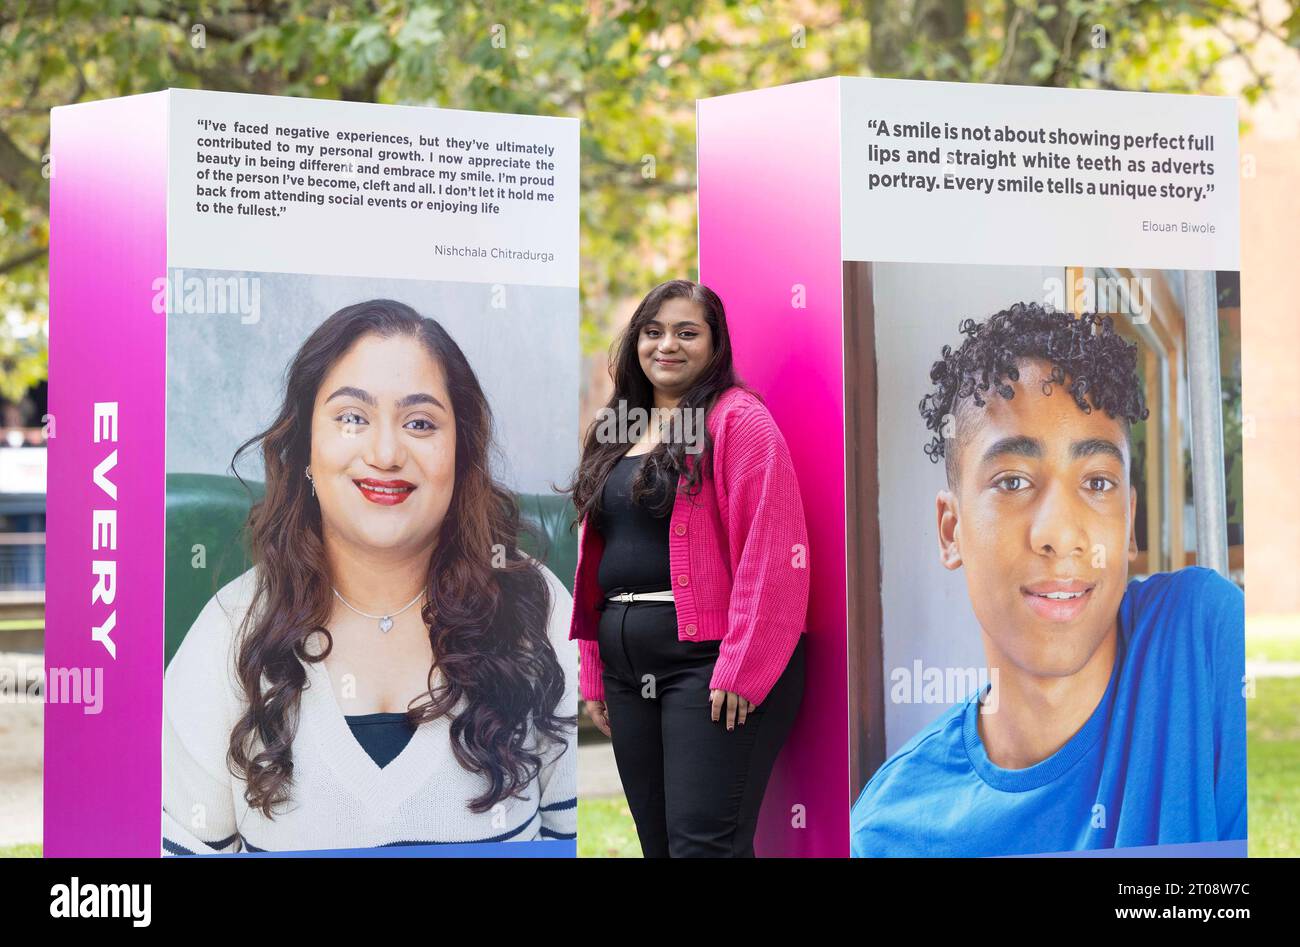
[(22, 522)]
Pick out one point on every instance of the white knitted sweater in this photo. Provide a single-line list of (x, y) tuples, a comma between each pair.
[(339, 798)]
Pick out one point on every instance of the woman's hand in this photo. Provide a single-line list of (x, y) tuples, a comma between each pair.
[(599, 715), (737, 707)]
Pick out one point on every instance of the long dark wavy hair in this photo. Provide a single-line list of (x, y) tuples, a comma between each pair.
[(487, 621), (663, 466)]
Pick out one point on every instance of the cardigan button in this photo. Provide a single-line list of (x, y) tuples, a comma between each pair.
[(680, 529), (691, 630), (683, 580)]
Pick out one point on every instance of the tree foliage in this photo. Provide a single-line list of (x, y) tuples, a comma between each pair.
[(630, 70)]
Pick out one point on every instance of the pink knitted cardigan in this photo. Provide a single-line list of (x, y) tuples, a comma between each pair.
[(738, 557)]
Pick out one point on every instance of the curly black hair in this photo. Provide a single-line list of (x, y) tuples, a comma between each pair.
[(1100, 364)]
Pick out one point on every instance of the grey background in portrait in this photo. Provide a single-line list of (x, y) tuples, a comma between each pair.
[(225, 378), (926, 611)]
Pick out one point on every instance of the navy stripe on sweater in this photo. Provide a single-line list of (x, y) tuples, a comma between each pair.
[(496, 838)]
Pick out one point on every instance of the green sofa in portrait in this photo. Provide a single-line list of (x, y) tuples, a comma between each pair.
[(209, 511)]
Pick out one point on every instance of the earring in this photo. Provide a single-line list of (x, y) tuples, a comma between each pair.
[(313, 482)]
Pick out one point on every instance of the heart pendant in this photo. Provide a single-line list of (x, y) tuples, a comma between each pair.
[(385, 624)]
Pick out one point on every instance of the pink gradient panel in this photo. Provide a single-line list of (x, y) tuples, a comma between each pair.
[(769, 206), (108, 243)]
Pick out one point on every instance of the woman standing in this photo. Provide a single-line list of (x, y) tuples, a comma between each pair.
[(692, 582)]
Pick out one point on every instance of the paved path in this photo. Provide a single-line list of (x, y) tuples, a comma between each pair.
[(22, 757), (597, 774)]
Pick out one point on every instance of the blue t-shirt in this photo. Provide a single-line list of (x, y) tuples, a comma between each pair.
[(1161, 760)]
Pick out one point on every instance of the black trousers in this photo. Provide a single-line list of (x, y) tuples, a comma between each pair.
[(694, 788)]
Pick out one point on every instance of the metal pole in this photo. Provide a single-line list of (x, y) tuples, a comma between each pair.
[(1159, 551), (1209, 485)]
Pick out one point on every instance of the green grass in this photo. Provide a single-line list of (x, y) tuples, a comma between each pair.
[(606, 830), (20, 851), (1273, 641), (1273, 745), (22, 624)]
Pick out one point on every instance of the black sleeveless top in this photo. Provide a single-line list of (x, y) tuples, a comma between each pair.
[(636, 541), (383, 735)]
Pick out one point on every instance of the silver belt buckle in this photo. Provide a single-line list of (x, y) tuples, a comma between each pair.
[(625, 597)]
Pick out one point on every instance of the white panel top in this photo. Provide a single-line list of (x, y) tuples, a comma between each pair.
[(964, 196), (313, 186)]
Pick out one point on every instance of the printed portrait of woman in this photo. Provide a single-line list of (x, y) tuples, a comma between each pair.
[(392, 670)]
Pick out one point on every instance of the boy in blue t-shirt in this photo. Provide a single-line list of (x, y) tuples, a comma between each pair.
[(1116, 713)]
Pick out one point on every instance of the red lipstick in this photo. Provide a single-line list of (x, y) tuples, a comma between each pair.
[(385, 492)]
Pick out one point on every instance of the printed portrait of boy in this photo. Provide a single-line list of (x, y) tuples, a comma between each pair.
[(1115, 711)]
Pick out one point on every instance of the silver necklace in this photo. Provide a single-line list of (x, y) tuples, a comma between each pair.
[(385, 621)]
